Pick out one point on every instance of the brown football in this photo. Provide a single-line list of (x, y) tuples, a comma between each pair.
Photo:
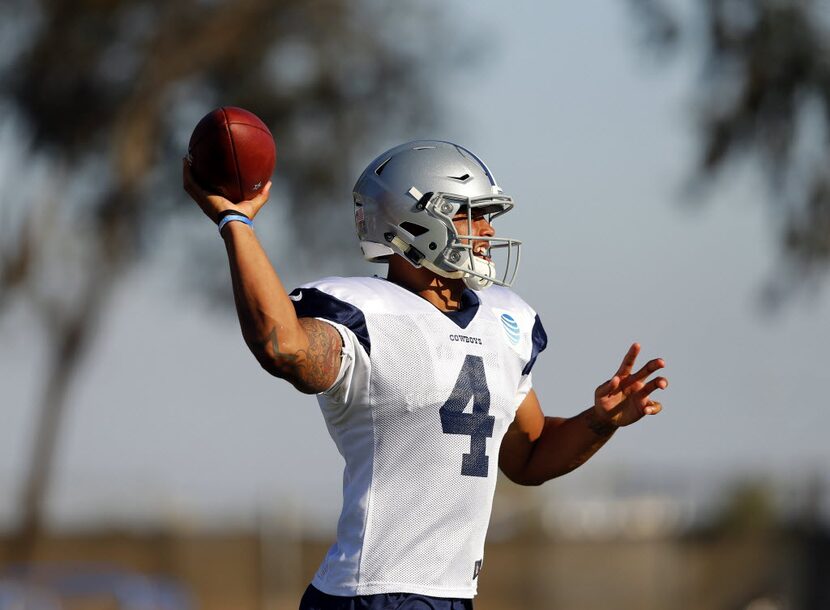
[(232, 153)]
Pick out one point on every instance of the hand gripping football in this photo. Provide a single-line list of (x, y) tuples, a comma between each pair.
[(232, 153)]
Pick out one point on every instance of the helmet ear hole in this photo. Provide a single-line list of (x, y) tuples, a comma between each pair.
[(415, 229)]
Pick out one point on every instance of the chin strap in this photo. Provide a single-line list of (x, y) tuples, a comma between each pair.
[(415, 256)]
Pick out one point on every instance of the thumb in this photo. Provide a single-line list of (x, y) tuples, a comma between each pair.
[(260, 199)]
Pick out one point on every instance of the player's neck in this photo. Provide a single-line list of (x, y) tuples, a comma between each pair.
[(444, 293)]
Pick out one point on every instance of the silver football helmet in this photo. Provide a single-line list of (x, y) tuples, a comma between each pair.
[(405, 201)]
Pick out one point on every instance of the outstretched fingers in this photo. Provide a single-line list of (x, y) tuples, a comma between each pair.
[(650, 367), (649, 406), (629, 360)]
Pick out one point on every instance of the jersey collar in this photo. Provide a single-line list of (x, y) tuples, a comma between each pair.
[(467, 311), (462, 316)]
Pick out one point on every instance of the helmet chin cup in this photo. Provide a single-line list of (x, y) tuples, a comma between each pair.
[(485, 274), (482, 275)]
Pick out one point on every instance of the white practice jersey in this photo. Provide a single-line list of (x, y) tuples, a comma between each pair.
[(418, 412)]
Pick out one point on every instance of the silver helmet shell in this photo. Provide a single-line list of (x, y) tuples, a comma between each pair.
[(405, 201)]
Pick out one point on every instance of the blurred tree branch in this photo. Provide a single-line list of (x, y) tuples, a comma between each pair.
[(108, 91), (764, 96)]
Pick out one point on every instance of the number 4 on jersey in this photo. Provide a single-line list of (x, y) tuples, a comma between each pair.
[(478, 425)]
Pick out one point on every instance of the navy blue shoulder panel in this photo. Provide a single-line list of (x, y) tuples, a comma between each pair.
[(314, 303), (540, 342)]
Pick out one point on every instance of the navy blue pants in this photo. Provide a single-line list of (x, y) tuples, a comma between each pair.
[(314, 599)]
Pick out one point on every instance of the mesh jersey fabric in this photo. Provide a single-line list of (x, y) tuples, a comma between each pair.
[(418, 413)]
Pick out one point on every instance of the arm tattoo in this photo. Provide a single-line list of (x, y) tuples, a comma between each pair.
[(271, 340), (602, 430), (599, 427), (322, 359), (310, 370)]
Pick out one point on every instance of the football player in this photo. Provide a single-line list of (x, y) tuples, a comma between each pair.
[(424, 377)]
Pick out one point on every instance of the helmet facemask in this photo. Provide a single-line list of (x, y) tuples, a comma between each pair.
[(451, 254)]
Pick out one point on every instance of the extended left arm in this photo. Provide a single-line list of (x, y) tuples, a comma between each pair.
[(536, 448)]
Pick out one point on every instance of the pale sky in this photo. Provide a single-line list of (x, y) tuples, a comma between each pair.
[(594, 141)]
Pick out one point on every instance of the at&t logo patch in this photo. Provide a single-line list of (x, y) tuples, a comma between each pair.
[(511, 328)]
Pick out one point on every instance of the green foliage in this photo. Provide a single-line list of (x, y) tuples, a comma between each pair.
[(763, 96)]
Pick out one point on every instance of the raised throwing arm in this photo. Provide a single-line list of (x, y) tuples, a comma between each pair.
[(303, 351)]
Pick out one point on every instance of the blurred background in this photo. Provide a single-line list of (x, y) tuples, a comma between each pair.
[(669, 160)]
